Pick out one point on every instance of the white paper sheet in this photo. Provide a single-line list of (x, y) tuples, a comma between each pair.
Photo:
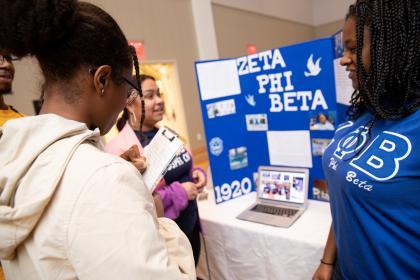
[(343, 86), (218, 79), (159, 154), (290, 148)]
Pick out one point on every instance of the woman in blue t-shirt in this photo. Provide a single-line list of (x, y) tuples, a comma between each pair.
[(372, 165)]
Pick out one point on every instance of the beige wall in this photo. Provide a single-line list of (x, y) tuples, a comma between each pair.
[(26, 85), (166, 27), (328, 29), (237, 28)]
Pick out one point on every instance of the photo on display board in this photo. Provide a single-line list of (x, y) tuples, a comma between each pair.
[(320, 190), (338, 44), (319, 145), (238, 158), (256, 122), (322, 120), (221, 108)]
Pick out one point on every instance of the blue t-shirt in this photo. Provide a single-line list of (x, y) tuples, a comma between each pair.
[(374, 187)]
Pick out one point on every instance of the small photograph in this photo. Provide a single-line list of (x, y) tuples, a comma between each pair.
[(238, 158), (320, 190), (276, 175), (283, 190), (269, 188), (298, 184), (322, 120), (297, 192), (265, 175), (276, 190), (256, 122), (338, 44), (319, 145), (221, 108)]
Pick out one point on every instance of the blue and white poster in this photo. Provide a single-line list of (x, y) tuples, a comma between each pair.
[(277, 107)]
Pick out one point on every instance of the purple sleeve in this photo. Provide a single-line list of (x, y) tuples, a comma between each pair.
[(174, 199)]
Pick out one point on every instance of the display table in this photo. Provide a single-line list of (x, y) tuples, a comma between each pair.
[(244, 250)]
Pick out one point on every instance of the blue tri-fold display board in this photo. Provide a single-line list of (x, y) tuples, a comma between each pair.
[(277, 107)]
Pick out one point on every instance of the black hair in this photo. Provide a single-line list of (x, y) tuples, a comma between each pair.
[(65, 36), (391, 88), (319, 114), (126, 115)]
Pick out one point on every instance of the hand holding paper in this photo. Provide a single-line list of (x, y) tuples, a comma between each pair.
[(133, 155), (159, 154)]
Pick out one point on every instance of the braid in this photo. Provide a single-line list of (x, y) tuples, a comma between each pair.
[(369, 125), (390, 89), (137, 75), (362, 10), (123, 119), (355, 110)]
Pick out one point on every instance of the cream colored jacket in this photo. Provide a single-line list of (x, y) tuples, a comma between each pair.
[(70, 211)]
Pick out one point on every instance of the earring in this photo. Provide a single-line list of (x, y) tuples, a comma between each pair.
[(102, 91), (133, 120)]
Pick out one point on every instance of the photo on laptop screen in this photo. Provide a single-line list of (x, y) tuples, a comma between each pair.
[(282, 186)]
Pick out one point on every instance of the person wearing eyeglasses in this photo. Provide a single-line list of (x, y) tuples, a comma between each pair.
[(182, 182), (68, 210), (7, 72)]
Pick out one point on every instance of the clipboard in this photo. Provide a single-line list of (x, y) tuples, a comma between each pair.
[(159, 153)]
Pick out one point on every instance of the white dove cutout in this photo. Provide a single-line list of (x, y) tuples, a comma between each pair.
[(313, 68), (250, 99)]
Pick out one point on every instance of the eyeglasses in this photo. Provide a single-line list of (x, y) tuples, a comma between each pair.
[(133, 90), (6, 57)]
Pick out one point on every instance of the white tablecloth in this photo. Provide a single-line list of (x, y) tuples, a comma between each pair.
[(243, 250)]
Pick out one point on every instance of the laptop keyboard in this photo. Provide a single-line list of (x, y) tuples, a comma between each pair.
[(286, 212)]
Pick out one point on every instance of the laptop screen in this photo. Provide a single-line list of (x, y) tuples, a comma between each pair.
[(284, 186)]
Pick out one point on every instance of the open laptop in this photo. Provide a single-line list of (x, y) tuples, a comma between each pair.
[(281, 196)]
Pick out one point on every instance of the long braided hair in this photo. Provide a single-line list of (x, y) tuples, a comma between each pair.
[(391, 88), (139, 79)]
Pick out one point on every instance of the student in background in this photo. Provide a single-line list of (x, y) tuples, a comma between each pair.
[(67, 209), (7, 73), (372, 165), (182, 182)]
